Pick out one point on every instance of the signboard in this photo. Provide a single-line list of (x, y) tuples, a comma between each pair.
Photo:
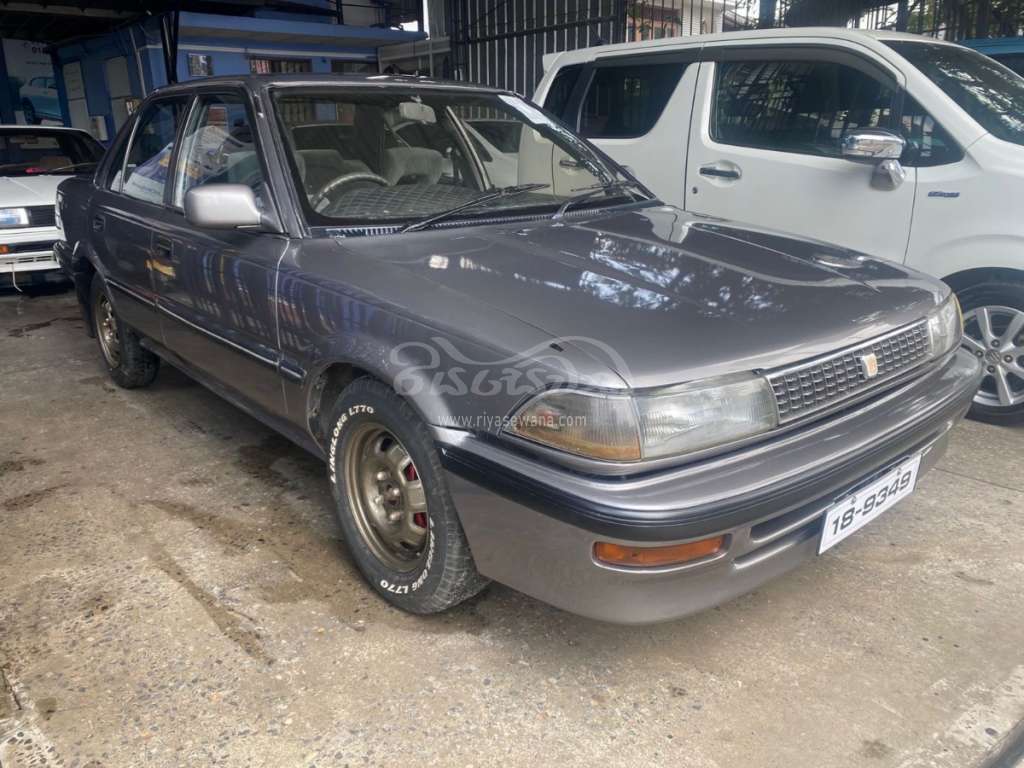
[(32, 83)]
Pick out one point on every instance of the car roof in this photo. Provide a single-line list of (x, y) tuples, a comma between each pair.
[(256, 82), (751, 35)]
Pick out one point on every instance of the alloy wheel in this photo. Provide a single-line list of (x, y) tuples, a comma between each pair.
[(386, 497), (995, 335)]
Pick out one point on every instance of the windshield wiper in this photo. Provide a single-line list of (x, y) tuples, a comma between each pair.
[(594, 190), (492, 195)]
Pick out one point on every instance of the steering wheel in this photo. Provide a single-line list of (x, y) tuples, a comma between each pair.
[(322, 194)]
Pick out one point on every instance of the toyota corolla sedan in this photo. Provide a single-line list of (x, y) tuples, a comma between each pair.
[(553, 380)]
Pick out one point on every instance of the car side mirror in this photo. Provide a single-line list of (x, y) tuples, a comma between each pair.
[(874, 145), (222, 206)]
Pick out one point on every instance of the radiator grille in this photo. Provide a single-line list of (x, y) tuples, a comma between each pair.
[(41, 216), (820, 383)]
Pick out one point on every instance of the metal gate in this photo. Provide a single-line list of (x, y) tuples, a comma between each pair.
[(502, 42)]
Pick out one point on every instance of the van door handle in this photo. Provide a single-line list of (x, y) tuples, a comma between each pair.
[(720, 173), (98, 223)]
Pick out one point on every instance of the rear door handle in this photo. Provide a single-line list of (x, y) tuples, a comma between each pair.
[(720, 173), (98, 223)]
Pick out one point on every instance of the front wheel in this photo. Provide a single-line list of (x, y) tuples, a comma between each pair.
[(994, 333), (396, 514), (129, 364)]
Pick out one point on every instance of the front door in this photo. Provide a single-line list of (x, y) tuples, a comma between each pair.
[(217, 286), (765, 146)]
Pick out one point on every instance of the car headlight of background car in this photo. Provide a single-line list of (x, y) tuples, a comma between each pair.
[(11, 218), (945, 326), (664, 422)]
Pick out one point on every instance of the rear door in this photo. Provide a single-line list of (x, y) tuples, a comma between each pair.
[(216, 286), (123, 211), (765, 145)]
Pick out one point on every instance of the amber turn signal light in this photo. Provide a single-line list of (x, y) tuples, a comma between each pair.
[(653, 557), (4, 249)]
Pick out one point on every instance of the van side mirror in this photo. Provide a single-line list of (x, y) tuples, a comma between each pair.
[(222, 206), (874, 145)]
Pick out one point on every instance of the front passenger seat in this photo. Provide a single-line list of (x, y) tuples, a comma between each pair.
[(412, 165)]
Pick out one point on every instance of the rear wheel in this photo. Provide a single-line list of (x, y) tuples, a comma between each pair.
[(396, 514), (994, 333), (128, 363)]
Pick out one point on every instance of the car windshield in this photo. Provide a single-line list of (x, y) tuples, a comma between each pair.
[(36, 152), (397, 155), (989, 92)]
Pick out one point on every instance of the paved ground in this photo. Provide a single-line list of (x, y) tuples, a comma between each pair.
[(173, 593)]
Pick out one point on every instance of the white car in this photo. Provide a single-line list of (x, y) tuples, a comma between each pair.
[(33, 162), (890, 144)]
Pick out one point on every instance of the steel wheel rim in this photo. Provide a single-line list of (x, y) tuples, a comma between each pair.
[(107, 331), (386, 497), (995, 335)]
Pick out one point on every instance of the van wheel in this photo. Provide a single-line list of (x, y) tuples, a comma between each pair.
[(994, 333), (129, 365), (396, 514)]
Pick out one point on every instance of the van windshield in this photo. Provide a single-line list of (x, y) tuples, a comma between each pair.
[(986, 90), (395, 155)]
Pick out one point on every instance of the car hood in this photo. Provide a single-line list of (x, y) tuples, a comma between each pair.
[(658, 295), (16, 191)]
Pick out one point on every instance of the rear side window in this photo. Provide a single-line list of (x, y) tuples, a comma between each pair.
[(149, 159), (796, 106), (624, 102), (561, 90), (218, 147)]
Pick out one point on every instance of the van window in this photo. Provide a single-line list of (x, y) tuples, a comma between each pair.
[(561, 90), (625, 101), (928, 144), (796, 106), (145, 174)]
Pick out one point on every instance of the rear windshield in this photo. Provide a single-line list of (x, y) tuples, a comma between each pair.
[(987, 91), (35, 152)]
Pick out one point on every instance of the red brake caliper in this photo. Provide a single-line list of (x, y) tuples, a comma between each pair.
[(420, 518)]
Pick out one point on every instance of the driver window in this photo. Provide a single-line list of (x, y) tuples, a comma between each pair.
[(218, 147)]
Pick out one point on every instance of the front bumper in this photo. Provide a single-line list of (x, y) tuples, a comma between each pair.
[(28, 250), (533, 526)]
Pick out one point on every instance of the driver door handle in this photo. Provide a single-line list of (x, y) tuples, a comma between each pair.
[(718, 172), (98, 223)]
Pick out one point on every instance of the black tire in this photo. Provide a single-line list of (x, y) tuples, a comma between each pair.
[(994, 294), (444, 573), (133, 366)]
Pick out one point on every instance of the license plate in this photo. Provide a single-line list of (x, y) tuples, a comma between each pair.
[(858, 509)]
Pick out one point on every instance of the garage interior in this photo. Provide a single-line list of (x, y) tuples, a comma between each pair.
[(174, 590)]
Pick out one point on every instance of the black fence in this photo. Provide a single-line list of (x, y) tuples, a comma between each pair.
[(502, 42)]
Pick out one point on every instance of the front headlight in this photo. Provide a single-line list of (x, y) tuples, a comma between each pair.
[(11, 218), (667, 422), (945, 326)]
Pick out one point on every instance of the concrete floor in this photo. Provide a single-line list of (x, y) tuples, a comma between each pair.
[(173, 593)]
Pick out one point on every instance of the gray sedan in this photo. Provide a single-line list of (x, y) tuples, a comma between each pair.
[(561, 383)]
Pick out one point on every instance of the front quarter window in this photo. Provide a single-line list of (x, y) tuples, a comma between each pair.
[(987, 91), (398, 155)]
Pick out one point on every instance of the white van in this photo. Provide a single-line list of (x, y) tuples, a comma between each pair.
[(891, 144)]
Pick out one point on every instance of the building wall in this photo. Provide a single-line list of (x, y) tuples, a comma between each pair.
[(229, 54)]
